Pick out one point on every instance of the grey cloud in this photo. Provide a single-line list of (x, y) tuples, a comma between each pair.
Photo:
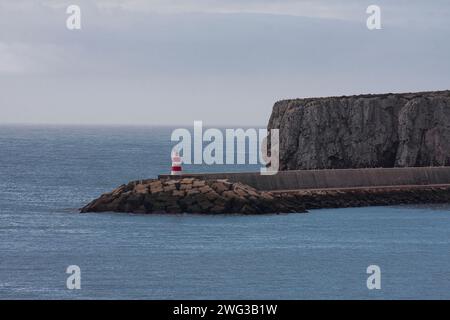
[(198, 60)]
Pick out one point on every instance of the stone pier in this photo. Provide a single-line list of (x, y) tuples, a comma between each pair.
[(288, 191)]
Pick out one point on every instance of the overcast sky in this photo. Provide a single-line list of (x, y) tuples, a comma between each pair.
[(225, 62)]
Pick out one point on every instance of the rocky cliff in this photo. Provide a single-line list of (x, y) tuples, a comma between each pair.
[(383, 130)]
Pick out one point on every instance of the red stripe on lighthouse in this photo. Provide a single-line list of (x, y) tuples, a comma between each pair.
[(176, 164)]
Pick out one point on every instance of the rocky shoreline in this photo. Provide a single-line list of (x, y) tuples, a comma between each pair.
[(365, 197), (220, 196)]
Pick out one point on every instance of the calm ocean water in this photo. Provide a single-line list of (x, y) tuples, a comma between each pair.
[(46, 173)]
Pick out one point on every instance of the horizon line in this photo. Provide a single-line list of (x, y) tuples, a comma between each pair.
[(73, 124)]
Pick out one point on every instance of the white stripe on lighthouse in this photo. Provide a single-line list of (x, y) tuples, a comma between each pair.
[(176, 164)]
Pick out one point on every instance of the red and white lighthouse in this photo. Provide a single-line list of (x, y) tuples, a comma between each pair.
[(176, 164)]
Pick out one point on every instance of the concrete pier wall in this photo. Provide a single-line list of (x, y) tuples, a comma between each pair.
[(335, 178)]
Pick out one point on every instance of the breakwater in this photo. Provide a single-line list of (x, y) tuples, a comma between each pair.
[(288, 191), (189, 195), (335, 178)]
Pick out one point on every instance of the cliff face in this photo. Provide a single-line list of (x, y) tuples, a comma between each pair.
[(387, 130)]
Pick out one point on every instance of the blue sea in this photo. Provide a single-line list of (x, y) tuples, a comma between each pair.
[(48, 172)]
